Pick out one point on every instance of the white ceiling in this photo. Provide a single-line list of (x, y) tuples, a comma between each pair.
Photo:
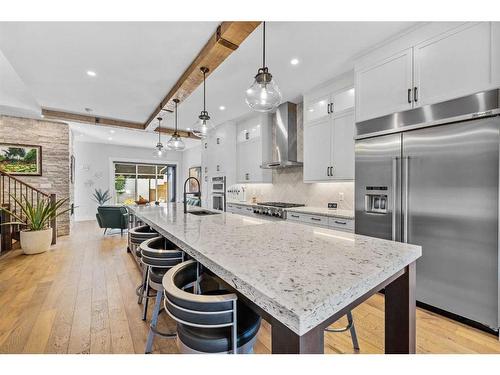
[(138, 62)]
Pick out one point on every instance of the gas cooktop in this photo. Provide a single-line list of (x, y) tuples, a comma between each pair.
[(280, 204)]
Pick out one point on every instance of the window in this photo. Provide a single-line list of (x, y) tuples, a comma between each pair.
[(150, 181)]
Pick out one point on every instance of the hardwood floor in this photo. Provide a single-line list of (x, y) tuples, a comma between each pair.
[(80, 298)]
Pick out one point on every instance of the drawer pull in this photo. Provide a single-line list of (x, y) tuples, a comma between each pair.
[(295, 216), (340, 222), (315, 219)]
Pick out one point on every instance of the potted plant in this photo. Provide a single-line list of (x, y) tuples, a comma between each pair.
[(37, 236), (101, 197), (120, 182)]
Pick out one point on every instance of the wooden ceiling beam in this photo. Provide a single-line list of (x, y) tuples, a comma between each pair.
[(226, 39), (182, 133), (88, 119)]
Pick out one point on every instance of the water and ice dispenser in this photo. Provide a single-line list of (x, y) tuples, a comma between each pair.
[(376, 200)]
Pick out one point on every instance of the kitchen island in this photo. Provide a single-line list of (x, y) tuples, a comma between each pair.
[(297, 277)]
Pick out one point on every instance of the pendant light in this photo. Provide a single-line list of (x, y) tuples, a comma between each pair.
[(159, 149), (264, 95), (203, 125), (176, 143)]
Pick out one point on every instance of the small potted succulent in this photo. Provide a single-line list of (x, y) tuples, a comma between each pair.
[(37, 235)]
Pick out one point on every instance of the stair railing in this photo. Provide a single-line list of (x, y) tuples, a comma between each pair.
[(11, 186)]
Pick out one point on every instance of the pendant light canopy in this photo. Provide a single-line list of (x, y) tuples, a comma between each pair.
[(175, 142), (159, 150), (203, 125), (264, 95)]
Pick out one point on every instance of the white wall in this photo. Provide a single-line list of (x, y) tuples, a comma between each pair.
[(190, 158), (94, 170)]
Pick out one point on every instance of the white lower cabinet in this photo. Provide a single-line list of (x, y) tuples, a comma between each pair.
[(322, 221)]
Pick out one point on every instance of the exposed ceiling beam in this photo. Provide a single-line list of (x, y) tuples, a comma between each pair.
[(88, 119), (226, 39), (182, 133)]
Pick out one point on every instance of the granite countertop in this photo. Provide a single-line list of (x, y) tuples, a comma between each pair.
[(299, 274), (322, 211)]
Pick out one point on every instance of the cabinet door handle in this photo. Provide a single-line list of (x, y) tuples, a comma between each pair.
[(328, 171), (409, 96), (295, 216), (328, 108), (315, 219), (340, 222), (415, 94), (331, 107)]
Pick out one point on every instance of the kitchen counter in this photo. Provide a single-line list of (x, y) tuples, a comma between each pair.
[(299, 275)]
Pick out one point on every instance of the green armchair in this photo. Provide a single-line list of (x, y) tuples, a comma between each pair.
[(112, 217)]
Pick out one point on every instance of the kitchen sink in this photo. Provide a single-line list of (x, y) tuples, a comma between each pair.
[(203, 213)]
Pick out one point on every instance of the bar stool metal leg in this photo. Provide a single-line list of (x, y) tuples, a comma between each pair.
[(141, 288), (154, 322), (352, 329), (146, 293)]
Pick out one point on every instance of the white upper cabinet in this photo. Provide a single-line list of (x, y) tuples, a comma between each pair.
[(453, 64), (252, 148), (317, 150), (343, 147), (495, 53), (317, 108), (382, 88), (329, 139), (436, 62)]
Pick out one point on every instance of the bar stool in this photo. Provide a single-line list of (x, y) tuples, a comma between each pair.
[(348, 327), (158, 256), (138, 235), (211, 322)]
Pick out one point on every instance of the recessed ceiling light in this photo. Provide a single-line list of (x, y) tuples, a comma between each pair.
[(110, 139), (188, 129), (222, 108), (294, 61), (91, 73), (112, 131)]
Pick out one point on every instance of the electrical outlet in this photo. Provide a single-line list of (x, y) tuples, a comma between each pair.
[(341, 197), (332, 205)]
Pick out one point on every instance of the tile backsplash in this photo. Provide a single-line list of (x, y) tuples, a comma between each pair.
[(288, 186)]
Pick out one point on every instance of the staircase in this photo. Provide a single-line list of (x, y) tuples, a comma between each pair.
[(14, 187)]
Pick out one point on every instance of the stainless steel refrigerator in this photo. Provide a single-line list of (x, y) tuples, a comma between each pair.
[(430, 176)]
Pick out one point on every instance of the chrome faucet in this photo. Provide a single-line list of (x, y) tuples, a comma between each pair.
[(194, 193)]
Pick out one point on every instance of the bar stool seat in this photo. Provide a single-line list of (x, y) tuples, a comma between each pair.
[(218, 340)]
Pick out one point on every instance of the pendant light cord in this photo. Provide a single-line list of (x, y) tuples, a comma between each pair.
[(175, 118), (159, 130), (204, 96), (264, 45)]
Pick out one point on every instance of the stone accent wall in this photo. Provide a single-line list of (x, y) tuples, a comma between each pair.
[(54, 139)]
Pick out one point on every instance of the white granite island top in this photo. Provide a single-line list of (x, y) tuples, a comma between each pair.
[(300, 275)]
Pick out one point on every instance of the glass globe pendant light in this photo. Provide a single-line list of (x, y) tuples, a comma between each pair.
[(264, 95), (159, 149), (203, 125), (175, 142)]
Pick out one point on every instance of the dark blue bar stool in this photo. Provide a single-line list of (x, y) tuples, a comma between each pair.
[(211, 322)]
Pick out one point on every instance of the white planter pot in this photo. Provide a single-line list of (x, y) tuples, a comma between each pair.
[(34, 242)]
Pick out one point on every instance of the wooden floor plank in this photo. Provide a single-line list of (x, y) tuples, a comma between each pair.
[(80, 298)]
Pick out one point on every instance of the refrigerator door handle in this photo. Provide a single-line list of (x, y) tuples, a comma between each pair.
[(394, 199), (406, 198)]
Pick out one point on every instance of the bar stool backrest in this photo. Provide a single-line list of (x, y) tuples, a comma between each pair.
[(141, 233), (160, 252), (197, 310)]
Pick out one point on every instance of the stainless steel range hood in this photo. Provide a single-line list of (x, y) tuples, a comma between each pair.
[(284, 150)]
